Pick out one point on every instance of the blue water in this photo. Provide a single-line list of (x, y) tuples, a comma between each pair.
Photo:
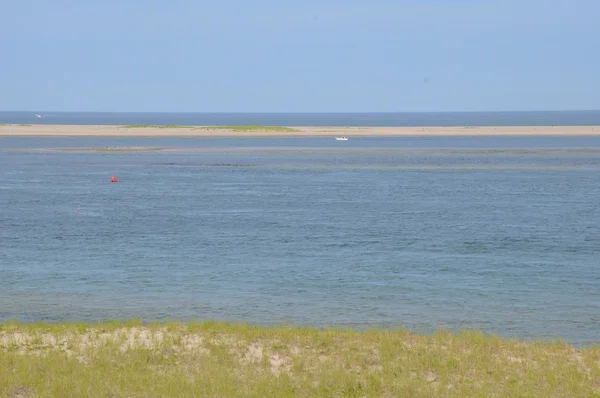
[(537, 118), (495, 233)]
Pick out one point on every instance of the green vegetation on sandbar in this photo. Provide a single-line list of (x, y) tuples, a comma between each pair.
[(216, 128), (221, 360), (251, 128), (158, 126)]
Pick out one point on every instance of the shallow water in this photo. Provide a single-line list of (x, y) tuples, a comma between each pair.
[(494, 233)]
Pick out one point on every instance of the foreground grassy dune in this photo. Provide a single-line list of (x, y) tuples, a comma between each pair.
[(216, 359)]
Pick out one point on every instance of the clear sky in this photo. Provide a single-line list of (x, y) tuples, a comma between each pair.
[(299, 55)]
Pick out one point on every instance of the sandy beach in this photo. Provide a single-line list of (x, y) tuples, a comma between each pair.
[(43, 130)]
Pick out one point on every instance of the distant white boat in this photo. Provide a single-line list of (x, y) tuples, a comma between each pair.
[(341, 138), (38, 115)]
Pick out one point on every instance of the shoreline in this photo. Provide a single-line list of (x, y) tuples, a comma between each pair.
[(47, 130)]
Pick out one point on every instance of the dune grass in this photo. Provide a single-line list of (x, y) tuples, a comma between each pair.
[(217, 359), (251, 128), (217, 128), (158, 126)]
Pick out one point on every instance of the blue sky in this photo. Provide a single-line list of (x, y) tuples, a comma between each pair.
[(299, 56)]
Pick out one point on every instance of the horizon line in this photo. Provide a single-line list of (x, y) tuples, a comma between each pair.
[(307, 112)]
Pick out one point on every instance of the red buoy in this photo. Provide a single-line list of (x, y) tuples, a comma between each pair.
[(113, 179)]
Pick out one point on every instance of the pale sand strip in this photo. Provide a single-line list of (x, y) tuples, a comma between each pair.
[(40, 130)]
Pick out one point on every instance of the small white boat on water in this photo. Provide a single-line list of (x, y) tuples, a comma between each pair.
[(38, 115), (341, 138)]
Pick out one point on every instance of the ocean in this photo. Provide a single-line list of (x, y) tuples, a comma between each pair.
[(535, 118), (500, 234)]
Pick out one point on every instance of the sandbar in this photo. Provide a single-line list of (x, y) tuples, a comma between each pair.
[(48, 130), (111, 149)]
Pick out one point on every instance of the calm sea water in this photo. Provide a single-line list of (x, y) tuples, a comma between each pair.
[(495, 233), (541, 118)]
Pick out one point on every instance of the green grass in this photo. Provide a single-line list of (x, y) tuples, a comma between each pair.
[(251, 128), (146, 126), (220, 360), (218, 128)]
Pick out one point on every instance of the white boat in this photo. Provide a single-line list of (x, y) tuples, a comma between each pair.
[(38, 115), (341, 138)]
